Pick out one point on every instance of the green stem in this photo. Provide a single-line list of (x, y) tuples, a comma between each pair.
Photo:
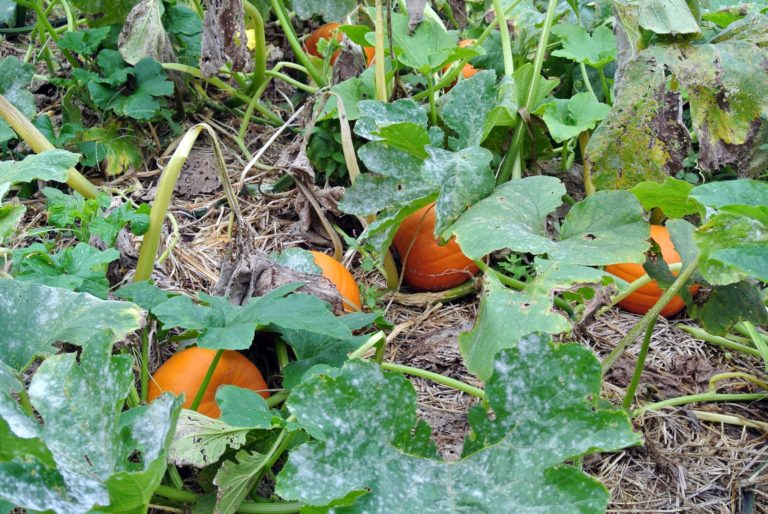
[(144, 364), (432, 104), (589, 186), (757, 340), (290, 35), (634, 286), (277, 398), (380, 77), (506, 45), (176, 494), (288, 80), (519, 285), (282, 353), (435, 377), (653, 313), (260, 51), (244, 508), (175, 477), (604, 85), (206, 380), (370, 343), (133, 397), (698, 398), (714, 379), (585, 76), (513, 164), (717, 340), (43, 20), (629, 396)]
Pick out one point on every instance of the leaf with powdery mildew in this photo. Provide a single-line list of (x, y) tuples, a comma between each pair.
[(364, 437)]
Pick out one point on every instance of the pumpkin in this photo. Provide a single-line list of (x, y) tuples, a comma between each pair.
[(340, 277), (428, 265), (327, 31), (646, 297), (468, 70), (184, 372)]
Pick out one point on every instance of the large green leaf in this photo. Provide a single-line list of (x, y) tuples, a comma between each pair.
[(542, 419), (36, 316), (15, 79), (733, 248), (605, 228), (667, 17), (428, 48), (596, 50), (740, 197), (101, 456), (505, 316), (465, 108), (235, 479), (671, 197), (48, 165)]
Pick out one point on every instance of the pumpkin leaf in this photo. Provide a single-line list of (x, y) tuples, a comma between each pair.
[(144, 294), (596, 50), (727, 305), (375, 115), (36, 316), (428, 35), (101, 457), (739, 197), (10, 217), (243, 408), (733, 248), (328, 10), (224, 326), (48, 165), (671, 196), (605, 228), (667, 17), (235, 479), (312, 350), (506, 316), (566, 119), (200, 441), (15, 79), (479, 91), (296, 259), (523, 467)]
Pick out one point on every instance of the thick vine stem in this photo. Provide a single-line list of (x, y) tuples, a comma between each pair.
[(702, 334), (630, 394), (653, 313), (506, 45), (260, 51), (244, 508), (38, 142), (435, 377), (715, 379), (282, 17), (380, 77)]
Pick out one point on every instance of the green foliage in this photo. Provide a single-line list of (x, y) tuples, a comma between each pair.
[(15, 78), (566, 119), (671, 197), (596, 50), (50, 165), (329, 10), (104, 12), (37, 316), (79, 268), (83, 42), (667, 17), (606, 228), (185, 28), (519, 455), (87, 452)]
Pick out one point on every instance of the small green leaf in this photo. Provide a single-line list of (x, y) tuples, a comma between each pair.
[(671, 197), (521, 468), (727, 305), (667, 17), (596, 50), (375, 115), (200, 441), (36, 316), (10, 217), (235, 480), (311, 350), (144, 294), (566, 119), (243, 407), (83, 42), (428, 48)]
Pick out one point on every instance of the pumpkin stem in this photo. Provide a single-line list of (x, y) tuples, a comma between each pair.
[(206, 380)]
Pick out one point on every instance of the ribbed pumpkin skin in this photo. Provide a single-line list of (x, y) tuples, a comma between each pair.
[(429, 266), (646, 297), (340, 276), (184, 373), (322, 32)]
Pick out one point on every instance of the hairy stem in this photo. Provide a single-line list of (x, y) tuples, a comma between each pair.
[(435, 377), (629, 396), (702, 334), (699, 398)]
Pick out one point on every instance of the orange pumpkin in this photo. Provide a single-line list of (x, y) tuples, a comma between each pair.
[(646, 297), (184, 372), (340, 276), (468, 70), (428, 265), (327, 31)]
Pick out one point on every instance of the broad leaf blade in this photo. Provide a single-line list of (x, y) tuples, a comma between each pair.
[(36, 316)]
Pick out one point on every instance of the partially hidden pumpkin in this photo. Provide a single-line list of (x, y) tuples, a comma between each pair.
[(183, 373), (427, 265), (468, 70), (329, 31), (646, 297), (340, 277)]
